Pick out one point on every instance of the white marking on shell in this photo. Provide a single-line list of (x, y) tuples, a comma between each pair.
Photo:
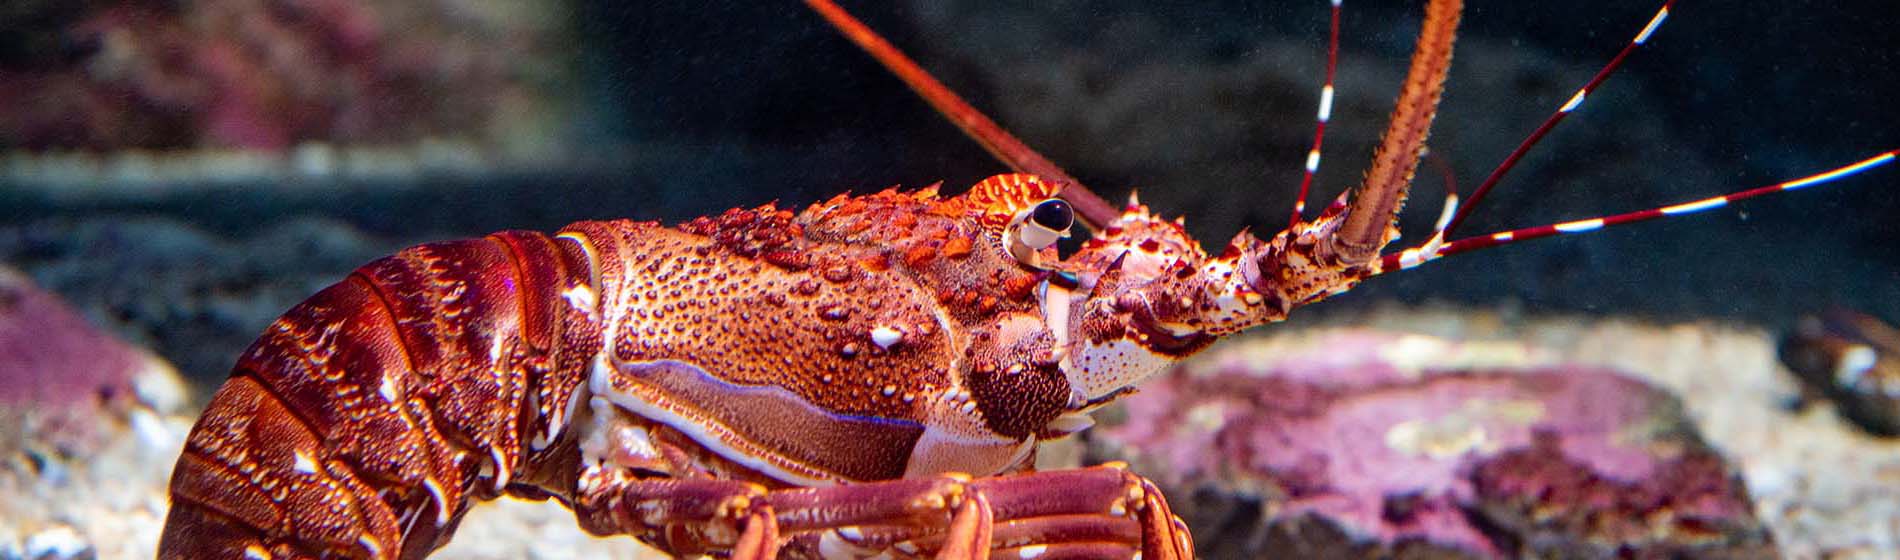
[(635, 441), (1055, 312), (885, 337), (582, 298), (441, 500), (557, 424), (304, 464), (587, 250), (255, 552), (1032, 551), (540, 440), (1099, 369), (494, 357), (1232, 301), (369, 543), (832, 547), (388, 389), (499, 466), (593, 436)]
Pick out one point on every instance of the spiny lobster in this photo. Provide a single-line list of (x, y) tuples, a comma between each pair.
[(868, 376)]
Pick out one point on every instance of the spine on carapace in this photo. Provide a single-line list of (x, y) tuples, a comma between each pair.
[(364, 417)]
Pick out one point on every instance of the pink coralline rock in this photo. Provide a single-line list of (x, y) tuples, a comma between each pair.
[(67, 384), (1553, 505), (1348, 454), (264, 75)]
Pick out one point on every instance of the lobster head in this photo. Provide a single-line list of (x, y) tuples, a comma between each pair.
[(1141, 293)]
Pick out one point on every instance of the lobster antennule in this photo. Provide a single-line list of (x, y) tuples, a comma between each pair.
[(1095, 212)]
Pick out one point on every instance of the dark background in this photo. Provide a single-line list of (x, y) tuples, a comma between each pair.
[(1206, 108)]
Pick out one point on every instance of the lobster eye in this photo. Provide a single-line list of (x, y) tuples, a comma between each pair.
[(1038, 227), (1053, 214)]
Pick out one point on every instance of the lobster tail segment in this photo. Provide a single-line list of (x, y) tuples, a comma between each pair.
[(252, 484), (362, 420)]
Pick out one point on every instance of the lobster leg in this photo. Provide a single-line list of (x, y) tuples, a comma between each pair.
[(1099, 512)]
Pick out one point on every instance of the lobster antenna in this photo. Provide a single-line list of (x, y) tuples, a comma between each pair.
[(1437, 248), (1096, 212), (1510, 161), (1325, 114)]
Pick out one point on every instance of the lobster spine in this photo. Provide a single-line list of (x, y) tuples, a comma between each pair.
[(364, 418)]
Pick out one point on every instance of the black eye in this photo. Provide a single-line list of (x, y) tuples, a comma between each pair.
[(1053, 214)]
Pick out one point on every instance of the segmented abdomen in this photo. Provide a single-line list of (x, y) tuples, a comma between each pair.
[(361, 420)]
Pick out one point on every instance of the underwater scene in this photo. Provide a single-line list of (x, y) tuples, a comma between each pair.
[(780, 357)]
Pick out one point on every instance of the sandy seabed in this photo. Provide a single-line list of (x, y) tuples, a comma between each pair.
[(1824, 488)]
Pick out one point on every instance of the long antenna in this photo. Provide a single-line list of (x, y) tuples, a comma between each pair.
[(1006, 148), (1325, 114), (1419, 255), (1557, 117)]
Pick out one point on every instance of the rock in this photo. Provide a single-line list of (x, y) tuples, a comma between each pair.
[(81, 478), (103, 424), (1352, 455), (59, 542), (250, 75), (1555, 505), (200, 298), (61, 378), (1852, 359)]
